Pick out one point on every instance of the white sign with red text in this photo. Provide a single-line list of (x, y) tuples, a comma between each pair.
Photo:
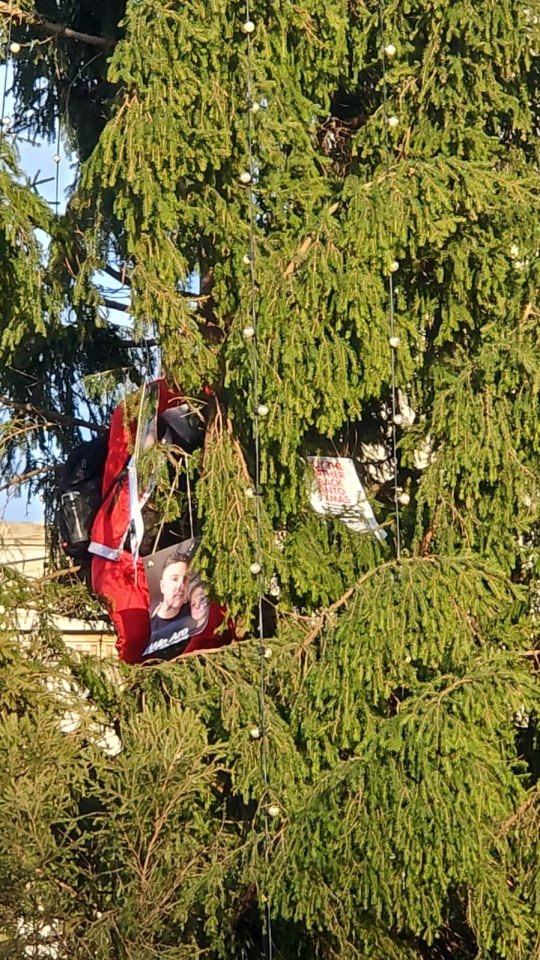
[(338, 492)]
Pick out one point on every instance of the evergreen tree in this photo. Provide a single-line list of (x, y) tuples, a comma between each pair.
[(401, 696)]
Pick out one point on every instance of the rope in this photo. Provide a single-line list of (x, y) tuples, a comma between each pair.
[(190, 503), (391, 297), (248, 27)]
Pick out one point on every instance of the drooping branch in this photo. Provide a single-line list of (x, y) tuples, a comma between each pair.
[(120, 276), (139, 344), (25, 478), (34, 19), (52, 416), (114, 305)]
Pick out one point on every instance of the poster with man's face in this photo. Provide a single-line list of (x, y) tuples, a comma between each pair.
[(179, 604)]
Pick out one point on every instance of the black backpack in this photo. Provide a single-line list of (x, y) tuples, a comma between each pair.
[(80, 496)]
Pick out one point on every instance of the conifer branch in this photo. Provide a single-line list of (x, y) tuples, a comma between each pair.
[(17, 481), (120, 276), (55, 575), (527, 310), (114, 305), (304, 248), (34, 19), (524, 807), (139, 344), (342, 601), (52, 416)]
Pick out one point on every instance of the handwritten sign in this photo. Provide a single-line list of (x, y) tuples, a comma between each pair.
[(337, 491)]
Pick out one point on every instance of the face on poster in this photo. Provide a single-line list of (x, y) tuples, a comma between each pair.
[(179, 603)]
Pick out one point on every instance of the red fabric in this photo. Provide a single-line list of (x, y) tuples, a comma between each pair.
[(112, 519), (125, 593), (128, 600), (127, 596), (208, 639)]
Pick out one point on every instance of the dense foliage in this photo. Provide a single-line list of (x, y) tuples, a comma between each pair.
[(402, 695)]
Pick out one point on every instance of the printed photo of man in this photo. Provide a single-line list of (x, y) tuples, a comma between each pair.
[(173, 587), (169, 610)]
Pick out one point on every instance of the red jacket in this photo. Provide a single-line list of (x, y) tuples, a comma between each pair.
[(115, 576), (112, 520)]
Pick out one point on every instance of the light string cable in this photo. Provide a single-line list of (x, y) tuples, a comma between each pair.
[(252, 106), (56, 160), (4, 121), (394, 340)]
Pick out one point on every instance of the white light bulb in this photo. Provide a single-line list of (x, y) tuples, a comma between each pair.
[(390, 50), (245, 177), (273, 810), (255, 568), (394, 342), (249, 492), (392, 122), (246, 259), (255, 106), (262, 410), (6, 121), (248, 333), (404, 498), (394, 266), (15, 47), (398, 419), (255, 733), (56, 158), (248, 26), (267, 653)]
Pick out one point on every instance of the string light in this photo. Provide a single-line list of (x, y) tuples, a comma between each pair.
[(56, 160), (390, 50), (394, 342), (255, 733), (245, 177), (252, 109), (5, 122), (248, 333), (15, 47), (391, 122), (273, 810)]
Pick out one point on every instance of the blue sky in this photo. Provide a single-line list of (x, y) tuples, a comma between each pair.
[(35, 159), (37, 162)]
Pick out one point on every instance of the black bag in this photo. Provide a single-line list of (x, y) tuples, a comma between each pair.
[(80, 495)]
